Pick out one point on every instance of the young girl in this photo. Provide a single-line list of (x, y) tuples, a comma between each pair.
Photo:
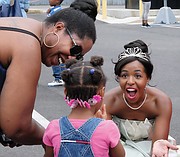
[(80, 134)]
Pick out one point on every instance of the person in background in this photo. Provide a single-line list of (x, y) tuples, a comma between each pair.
[(146, 8), (24, 5), (11, 8), (57, 69), (142, 112), (80, 134), (66, 34), (55, 6), (4, 2)]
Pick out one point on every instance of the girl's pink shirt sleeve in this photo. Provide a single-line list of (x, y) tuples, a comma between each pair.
[(52, 136), (105, 136)]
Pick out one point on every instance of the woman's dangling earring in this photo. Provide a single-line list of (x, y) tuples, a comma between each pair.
[(50, 46)]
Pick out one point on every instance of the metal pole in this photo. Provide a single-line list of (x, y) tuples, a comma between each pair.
[(104, 9), (99, 5), (140, 8), (165, 3)]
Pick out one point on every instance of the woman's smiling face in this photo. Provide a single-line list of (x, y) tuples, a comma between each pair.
[(133, 80), (50, 56)]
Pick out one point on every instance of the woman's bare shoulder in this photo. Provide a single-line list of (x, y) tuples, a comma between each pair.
[(160, 96), (112, 95), (113, 91), (16, 21), (22, 23), (156, 92)]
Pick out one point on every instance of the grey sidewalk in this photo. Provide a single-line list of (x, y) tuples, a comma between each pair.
[(116, 14)]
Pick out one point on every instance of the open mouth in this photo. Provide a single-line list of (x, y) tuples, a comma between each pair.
[(131, 93), (60, 60)]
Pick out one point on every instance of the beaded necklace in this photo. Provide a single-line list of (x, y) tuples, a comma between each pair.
[(134, 108)]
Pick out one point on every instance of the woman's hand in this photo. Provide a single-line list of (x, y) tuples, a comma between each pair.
[(161, 147), (101, 113)]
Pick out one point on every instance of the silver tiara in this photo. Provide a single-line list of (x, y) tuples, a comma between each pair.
[(133, 52)]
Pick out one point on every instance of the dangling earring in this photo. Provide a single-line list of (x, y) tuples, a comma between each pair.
[(146, 86), (50, 46)]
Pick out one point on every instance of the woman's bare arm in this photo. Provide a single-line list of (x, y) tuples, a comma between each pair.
[(18, 96)]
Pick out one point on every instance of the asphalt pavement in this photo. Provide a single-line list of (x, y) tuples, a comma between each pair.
[(163, 41)]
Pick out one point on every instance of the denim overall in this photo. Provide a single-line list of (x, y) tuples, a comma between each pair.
[(76, 142)]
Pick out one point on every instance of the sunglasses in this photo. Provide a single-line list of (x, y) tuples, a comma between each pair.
[(75, 50)]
